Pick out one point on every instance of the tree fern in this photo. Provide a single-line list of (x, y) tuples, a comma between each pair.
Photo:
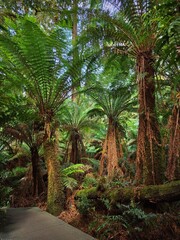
[(74, 119), (38, 59), (112, 103), (133, 29)]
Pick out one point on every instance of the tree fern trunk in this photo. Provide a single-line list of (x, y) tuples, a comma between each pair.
[(55, 194), (38, 183), (149, 167), (103, 160), (173, 168), (110, 153), (74, 156)]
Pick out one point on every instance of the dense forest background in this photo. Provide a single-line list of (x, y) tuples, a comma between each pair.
[(89, 113)]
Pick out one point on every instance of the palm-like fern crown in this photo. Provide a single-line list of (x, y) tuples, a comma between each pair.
[(112, 102), (24, 133), (21, 133), (127, 26), (38, 59), (75, 117)]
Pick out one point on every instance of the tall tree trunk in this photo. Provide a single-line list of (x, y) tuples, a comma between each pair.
[(75, 156), (77, 147), (74, 39), (173, 168), (110, 153), (38, 183), (149, 166), (55, 194)]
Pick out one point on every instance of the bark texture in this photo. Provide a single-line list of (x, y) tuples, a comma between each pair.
[(75, 84), (152, 194), (77, 147), (149, 165), (55, 194), (111, 152), (38, 183), (173, 168)]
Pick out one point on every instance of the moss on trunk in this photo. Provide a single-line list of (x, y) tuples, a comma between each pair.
[(55, 194), (152, 194)]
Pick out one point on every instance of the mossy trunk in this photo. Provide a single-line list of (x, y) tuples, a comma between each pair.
[(55, 194), (38, 183), (149, 194), (149, 165), (173, 168), (111, 152)]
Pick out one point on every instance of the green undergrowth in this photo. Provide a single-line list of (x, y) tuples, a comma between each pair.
[(9, 179), (132, 223), (127, 221)]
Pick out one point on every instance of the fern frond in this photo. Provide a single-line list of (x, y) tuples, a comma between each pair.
[(69, 182), (72, 169), (38, 58), (111, 102)]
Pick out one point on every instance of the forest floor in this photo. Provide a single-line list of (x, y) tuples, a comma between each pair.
[(102, 226), (135, 225), (152, 226), (72, 216)]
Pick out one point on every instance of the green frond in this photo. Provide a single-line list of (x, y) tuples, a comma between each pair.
[(72, 169), (69, 182), (38, 58), (126, 30), (23, 151), (96, 111), (19, 132), (75, 117), (5, 142), (111, 102)]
